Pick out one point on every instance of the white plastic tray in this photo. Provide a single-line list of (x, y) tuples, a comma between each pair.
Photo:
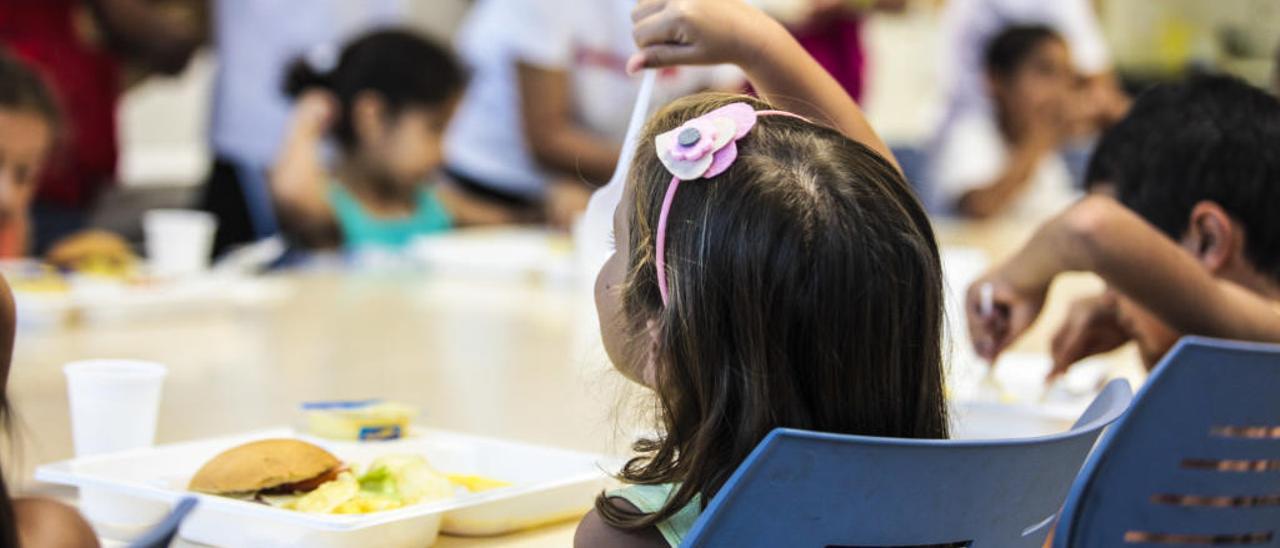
[(548, 485)]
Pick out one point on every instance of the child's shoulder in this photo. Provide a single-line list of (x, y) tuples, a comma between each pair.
[(44, 522), (594, 531)]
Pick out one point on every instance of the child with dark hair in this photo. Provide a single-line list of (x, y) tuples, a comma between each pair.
[(1006, 159), (29, 126), (1190, 243), (386, 103), (769, 271)]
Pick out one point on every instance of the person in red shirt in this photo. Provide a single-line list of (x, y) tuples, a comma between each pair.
[(832, 32), (78, 47)]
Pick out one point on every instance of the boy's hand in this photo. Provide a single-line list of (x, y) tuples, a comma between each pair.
[(699, 32), (999, 312), (1092, 327)]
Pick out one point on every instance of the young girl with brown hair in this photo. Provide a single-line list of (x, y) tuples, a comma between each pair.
[(770, 271)]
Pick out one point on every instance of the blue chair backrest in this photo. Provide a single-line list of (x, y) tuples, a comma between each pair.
[(163, 533), (1195, 462), (806, 489)]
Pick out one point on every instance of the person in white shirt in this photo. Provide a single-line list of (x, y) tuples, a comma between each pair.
[(548, 103), (1006, 159)]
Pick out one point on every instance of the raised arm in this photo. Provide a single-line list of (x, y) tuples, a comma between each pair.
[(556, 139), (1101, 236), (705, 32), (298, 177), (997, 195)]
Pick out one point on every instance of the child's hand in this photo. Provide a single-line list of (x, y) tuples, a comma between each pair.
[(1092, 327), (699, 32), (314, 111), (566, 200), (999, 312)]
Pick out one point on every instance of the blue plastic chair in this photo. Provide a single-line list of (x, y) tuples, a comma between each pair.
[(1195, 462), (801, 488), (161, 536)]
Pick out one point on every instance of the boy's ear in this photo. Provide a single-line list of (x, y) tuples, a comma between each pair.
[(1212, 236), (368, 118)]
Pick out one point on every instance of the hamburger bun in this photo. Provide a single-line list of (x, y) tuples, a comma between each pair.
[(263, 465)]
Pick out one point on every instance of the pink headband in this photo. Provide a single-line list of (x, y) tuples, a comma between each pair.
[(701, 149)]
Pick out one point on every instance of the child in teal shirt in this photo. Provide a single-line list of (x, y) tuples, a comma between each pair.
[(361, 230), (386, 104)]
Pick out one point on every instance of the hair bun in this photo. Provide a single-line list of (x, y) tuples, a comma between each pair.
[(301, 77)]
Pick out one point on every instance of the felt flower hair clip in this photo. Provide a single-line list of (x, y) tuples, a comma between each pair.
[(701, 148), (707, 145)]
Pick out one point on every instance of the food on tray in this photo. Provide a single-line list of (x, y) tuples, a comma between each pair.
[(47, 280), (358, 420), (297, 475), (276, 465), (95, 253), (477, 484)]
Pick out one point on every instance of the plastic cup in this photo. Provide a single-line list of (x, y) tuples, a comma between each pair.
[(179, 241), (114, 404)]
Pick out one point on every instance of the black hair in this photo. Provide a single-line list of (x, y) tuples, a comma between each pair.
[(1211, 138), (22, 89), (402, 67), (1009, 48)]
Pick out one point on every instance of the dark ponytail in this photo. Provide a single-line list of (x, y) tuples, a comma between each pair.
[(301, 76), (401, 67)]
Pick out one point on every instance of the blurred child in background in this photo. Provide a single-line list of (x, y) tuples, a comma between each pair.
[(386, 103), (968, 26), (1006, 159), (1190, 243), (794, 280), (543, 119), (81, 48), (253, 43), (29, 126)]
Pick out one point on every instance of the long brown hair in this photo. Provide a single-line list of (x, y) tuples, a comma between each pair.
[(8, 321), (805, 292)]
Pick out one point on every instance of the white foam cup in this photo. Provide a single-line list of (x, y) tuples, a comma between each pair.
[(115, 405), (179, 242)]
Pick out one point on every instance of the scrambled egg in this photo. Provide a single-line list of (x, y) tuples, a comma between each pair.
[(392, 482)]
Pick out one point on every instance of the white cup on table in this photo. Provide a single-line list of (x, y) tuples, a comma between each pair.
[(115, 405), (179, 242)]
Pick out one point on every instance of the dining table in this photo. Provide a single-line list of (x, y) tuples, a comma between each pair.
[(511, 353)]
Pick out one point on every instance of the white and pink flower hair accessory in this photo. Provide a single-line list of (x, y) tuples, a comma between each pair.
[(707, 145), (701, 148)]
